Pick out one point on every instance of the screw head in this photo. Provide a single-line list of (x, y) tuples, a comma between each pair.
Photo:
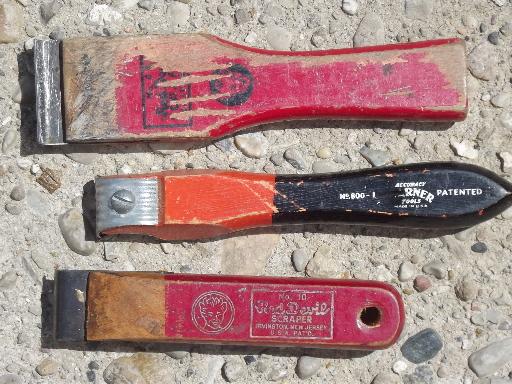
[(122, 201)]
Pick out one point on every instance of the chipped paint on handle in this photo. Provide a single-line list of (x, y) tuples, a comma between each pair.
[(191, 86), (243, 310), (198, 204), (230, 199)]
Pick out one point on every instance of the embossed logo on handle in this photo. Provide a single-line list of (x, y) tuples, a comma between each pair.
[(213, 312)]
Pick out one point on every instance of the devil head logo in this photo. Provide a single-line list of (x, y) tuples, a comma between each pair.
[(213, 312)]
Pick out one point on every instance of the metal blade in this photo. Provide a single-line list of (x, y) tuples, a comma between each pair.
[(48, 94)]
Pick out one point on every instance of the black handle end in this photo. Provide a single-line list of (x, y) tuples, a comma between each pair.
[(423, 195)]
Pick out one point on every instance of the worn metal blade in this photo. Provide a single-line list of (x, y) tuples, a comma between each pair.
[(70, 302), (48, 93)]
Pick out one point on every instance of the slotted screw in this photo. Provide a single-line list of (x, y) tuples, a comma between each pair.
[(122, 201)]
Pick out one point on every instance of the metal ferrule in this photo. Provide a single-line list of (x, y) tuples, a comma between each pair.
[(48, 95), (126, 201)]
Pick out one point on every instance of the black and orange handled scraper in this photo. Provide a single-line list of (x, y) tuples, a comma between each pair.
[(198, 204)]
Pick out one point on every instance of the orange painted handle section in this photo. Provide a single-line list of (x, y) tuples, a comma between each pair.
[(232, 200)]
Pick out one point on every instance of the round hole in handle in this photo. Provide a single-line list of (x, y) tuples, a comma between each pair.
[(370, 316)]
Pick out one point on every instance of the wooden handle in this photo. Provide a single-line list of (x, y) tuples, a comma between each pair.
[(246, 310), (194, 86), (183, 205)]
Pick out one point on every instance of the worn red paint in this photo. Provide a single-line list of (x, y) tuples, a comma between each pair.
[(280, 311), (233, 200), (408, 87)]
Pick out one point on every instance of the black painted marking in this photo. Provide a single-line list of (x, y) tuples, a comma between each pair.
[(430, 195), (158, 101), (239, 85), (387, 69)]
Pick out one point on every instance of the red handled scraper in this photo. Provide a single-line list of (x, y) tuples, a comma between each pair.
[(186, 87), (244, 310)]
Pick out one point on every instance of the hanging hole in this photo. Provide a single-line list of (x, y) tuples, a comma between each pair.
[(370, 316)]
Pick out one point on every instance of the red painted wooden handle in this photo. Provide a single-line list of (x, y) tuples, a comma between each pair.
[(202, 87), (252, 86), (244, 310), (283, 311)]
